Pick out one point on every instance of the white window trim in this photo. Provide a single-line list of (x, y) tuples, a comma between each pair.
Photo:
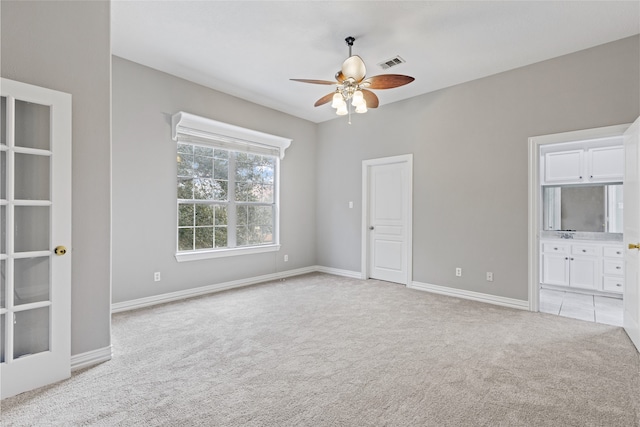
[(186, 125), (235, 138)]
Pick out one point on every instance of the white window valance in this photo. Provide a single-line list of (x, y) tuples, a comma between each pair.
[(194, 129)]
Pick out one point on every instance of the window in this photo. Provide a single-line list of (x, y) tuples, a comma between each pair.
[(227, 189)]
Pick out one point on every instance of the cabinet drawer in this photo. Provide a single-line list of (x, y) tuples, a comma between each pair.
[(613, 267), (613, 284), (613, 251), (555, 248), (585, 250)]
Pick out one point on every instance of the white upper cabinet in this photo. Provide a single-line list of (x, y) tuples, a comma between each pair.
[(605, 164), (564, 166), (582, 166)]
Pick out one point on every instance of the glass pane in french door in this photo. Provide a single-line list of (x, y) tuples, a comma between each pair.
[(31, 280), (31, 332), (3, 120), (31, 177), (31, 225), (2, 326), (3, 273), (32, 125)]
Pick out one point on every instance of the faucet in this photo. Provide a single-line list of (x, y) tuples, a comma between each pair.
[(564, 235)]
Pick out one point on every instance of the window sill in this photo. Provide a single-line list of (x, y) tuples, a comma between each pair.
[(221, 253)]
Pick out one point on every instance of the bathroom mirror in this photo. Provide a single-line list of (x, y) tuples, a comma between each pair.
[(594, 208)]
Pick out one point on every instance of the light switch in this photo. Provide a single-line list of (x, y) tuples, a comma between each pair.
[(350, 205)]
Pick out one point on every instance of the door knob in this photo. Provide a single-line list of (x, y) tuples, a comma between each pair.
[(371, 227), (60, 250), (634, 246)]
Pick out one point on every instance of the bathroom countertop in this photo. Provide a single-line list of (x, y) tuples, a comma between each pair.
[(582, 235)]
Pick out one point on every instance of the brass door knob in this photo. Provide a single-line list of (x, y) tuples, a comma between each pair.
[(634, 246), (60, 250)]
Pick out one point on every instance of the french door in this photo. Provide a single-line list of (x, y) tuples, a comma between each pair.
[(631, 234), (35, 236)]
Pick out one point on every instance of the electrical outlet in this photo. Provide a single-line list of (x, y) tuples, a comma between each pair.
[(458, 272), (156, 276), (286, 258), (489, 276)]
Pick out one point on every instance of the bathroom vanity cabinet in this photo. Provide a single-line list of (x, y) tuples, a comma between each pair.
[(582, 264)]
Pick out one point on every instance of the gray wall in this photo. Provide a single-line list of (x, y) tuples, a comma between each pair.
[(66, 46), (470, 162), (144, 184)]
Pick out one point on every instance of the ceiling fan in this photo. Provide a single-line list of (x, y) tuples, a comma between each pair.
[(351, 84)]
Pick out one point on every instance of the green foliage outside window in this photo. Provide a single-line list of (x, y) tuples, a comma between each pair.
[(203, 190)]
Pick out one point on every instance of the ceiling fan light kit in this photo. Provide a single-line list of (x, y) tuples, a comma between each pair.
[(353, 86)]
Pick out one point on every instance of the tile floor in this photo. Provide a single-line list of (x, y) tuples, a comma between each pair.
[(580, 306)]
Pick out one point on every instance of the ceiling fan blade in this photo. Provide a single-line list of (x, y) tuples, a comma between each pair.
[(353, 67), (371, 98), (387, 81), (324, 99), (315, 82)]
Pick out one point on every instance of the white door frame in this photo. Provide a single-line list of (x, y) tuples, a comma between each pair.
[(366, 165), (535, 196)]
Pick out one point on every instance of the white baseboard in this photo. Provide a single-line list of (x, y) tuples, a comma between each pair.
[(93, 357), (189, 293), (470, 295), (338, 272)]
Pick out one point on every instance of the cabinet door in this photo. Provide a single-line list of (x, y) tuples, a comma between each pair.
[(583, 272), (564, 167), (554, 269), (605, 163)]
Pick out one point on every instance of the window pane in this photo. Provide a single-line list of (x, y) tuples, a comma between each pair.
[(202, 189), (264, 193), (204, 215), (221, 154), (260, 215), (220, 190), (185, 165), (185, 239), (185, 148), (185, 215), (185, 188), (254, 225), (221, 215), (242, 236), (203, 151), (242, 215), (221, 169), (221, 237), (203, 166), (204, 237), (243, 192)]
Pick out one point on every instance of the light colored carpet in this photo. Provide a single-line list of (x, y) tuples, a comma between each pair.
[(322, 350)]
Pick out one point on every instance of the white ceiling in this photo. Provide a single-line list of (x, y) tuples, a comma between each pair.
[(250, 49)]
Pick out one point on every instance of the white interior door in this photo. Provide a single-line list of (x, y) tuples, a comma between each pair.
[(632, 232), (35, 217), (388, 224)]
